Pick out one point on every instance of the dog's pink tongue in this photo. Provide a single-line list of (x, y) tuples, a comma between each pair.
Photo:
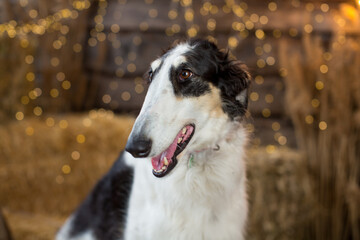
[(158, 161)]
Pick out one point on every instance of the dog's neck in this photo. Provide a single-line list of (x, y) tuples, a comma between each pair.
[(233, 135)]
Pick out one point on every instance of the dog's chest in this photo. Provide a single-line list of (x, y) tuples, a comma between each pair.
[(161, 209)]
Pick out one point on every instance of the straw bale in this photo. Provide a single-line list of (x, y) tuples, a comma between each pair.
[(37, 196), (279, 194), (25, 226), (4, 231), (32, 166)]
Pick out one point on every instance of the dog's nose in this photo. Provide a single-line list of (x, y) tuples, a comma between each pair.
[(139, 148)]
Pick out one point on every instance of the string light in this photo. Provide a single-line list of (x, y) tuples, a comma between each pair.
[(80, 138), (125, 96), (323, 125), (63, 124), (75, 155), (172, 14), (50, 122), (309, 119), (254, 96), (244, 25), (324, 68), (269, 98), (66, 169), (233, 42), (272, 6), (308, 28), (275, 126), (282, 140), (106, 98), (19, 116), (266, 112), (139, 88), (259, 80), (40, 26), (29, 131), (270, 148), (87, 122)]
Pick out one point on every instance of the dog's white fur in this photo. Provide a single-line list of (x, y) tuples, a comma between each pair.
[(204, 201)]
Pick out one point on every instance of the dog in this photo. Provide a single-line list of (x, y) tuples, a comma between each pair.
[(183, 173)]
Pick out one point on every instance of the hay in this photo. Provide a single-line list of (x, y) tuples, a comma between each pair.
[(280, 196), (325, 109), (33, 166), (27, 226), (4, 230), (37, 196)]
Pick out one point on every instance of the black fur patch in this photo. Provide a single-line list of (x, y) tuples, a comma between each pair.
[(227, 75), (105, 209), (210, 65), (194, 87)]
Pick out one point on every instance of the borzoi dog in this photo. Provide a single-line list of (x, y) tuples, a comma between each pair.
[(183, 175)]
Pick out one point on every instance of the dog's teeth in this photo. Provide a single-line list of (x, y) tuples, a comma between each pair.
[(179, 140), (184, 130), (163, 168), (166, 162)]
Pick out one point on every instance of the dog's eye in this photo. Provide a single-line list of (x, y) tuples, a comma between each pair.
[(150, 75), (185, 75)]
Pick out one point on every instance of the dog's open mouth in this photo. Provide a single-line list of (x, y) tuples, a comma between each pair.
[(166, 161)]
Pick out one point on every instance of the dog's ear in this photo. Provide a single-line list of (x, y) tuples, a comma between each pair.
[(234, 84)]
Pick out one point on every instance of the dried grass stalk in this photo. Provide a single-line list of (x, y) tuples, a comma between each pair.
[(333, 154)]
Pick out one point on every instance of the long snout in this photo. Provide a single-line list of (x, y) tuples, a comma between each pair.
[(139, 143)]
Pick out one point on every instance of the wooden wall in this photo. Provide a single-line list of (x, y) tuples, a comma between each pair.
[(137, 31), (123, 37)]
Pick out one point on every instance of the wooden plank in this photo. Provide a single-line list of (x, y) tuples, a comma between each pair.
[(115, 88), (264, 132), (122, 92), (154, 38), (118, 59), (153, 44), (134, 12), (130, 15), (270, 96)]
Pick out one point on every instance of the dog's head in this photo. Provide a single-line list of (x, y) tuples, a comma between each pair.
[(195, 91)]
